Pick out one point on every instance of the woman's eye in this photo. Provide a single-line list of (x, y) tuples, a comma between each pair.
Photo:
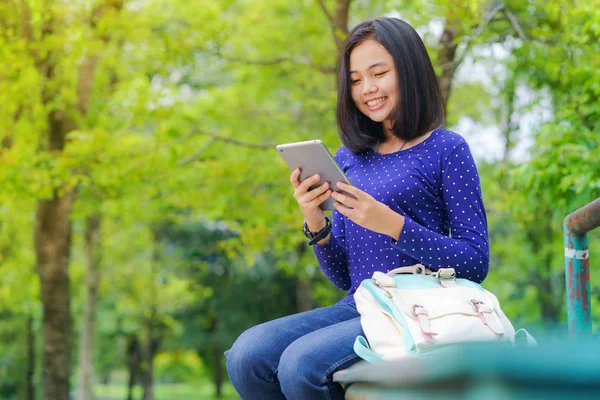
[(354, 82), (381, 73)]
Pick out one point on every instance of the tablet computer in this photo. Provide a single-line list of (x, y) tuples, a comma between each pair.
[(312, 157)]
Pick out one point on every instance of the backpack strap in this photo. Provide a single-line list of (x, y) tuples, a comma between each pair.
[(524, 338), (417, 269), (361, 347), (387, 280), (445, 276)]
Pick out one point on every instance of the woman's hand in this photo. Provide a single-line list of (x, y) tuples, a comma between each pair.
[(309, 201), (368, 212)]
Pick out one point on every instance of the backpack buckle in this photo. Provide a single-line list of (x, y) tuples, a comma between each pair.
[(420, 313), (446, 274), (383, 280), (485, 314)]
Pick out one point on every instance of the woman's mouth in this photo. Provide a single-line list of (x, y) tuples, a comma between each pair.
[(376, 104)]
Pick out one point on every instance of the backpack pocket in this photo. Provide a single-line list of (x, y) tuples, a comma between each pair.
[(438, 317)]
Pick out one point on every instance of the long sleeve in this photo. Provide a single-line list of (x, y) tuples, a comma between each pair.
[(332, 255), (467, 248)]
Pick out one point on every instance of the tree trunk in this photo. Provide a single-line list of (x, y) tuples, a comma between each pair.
[(53, 236), (509, 127), (148, 377), (303, 294), (53, 228), (216, 352), (52, 246), (85, 379), (52, 241), (550, 296), (339, 26), (149, 352), (153, 330), (133, 363), (447, 53), (547, 299), (218, 357), (30, 388), (340, 23)]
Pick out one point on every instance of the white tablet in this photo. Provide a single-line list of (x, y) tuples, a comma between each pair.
[(312, 157)]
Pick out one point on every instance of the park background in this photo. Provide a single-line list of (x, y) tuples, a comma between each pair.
[(146, 219)]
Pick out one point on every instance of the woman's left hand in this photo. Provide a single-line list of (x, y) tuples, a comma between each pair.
[(367, 212)]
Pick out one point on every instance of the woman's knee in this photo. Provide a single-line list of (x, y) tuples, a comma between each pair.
[(242, 351), (306, 366), (249, 355), (298, 369)]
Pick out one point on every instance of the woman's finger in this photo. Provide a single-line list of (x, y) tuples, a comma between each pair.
[(346, 200), (350, 189), (316, 192), (348, 212), (294, 177), (308, 182), (321, 198)]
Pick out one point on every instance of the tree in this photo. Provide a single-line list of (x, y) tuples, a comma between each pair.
[(53, 226), (55, 103), (556, 60), (241, 297)]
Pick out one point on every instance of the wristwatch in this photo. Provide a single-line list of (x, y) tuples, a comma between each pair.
[(316, 237)]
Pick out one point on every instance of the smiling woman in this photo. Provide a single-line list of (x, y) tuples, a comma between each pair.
[(386, 76), (416, 200)]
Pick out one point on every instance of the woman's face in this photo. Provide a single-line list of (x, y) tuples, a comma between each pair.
[(373, 81)]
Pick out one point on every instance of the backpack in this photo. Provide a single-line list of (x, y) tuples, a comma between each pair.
[(412, 311)]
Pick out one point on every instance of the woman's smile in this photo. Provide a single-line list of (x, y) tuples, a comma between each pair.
[(376, 104)]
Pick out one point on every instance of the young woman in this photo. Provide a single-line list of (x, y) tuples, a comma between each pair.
[(418, 200)]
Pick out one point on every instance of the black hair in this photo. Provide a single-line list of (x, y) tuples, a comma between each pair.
[(420, 105)]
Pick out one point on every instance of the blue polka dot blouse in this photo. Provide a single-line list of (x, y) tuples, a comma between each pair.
[(435, 186)]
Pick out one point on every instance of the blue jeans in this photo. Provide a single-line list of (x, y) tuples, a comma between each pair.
[(295, 357)]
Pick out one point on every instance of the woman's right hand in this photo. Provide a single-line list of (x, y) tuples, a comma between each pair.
[(309, 201)]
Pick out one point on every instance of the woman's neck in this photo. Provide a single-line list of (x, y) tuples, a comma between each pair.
[(387, 129), (392, 143)]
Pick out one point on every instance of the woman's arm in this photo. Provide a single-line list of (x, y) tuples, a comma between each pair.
[(331, 254), (467, 248), (331, 251)]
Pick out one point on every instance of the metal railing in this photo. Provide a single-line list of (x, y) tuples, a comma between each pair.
[(577, 266)]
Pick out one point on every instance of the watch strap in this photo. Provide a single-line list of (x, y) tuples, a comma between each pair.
[(316, 237)]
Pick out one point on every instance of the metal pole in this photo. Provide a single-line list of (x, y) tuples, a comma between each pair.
[(577, 267)]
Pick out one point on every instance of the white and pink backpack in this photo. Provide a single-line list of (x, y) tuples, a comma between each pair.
[(413, 311)]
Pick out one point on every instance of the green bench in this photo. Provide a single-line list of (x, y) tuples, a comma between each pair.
[(557, 369)]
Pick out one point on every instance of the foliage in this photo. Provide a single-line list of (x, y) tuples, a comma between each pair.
[(528, 199), (177, 367)]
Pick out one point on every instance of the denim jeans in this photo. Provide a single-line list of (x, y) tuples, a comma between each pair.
[(295, 357)]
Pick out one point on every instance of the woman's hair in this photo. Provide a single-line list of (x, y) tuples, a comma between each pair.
[(420, 106)]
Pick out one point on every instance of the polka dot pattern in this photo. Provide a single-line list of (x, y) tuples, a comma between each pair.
[(435, 186)]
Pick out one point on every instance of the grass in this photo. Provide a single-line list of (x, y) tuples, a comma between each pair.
[(167, 392)]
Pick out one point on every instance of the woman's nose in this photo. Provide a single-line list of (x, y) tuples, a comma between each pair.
[(369, 88)]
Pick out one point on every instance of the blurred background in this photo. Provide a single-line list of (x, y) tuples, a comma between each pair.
[(146, 219)]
